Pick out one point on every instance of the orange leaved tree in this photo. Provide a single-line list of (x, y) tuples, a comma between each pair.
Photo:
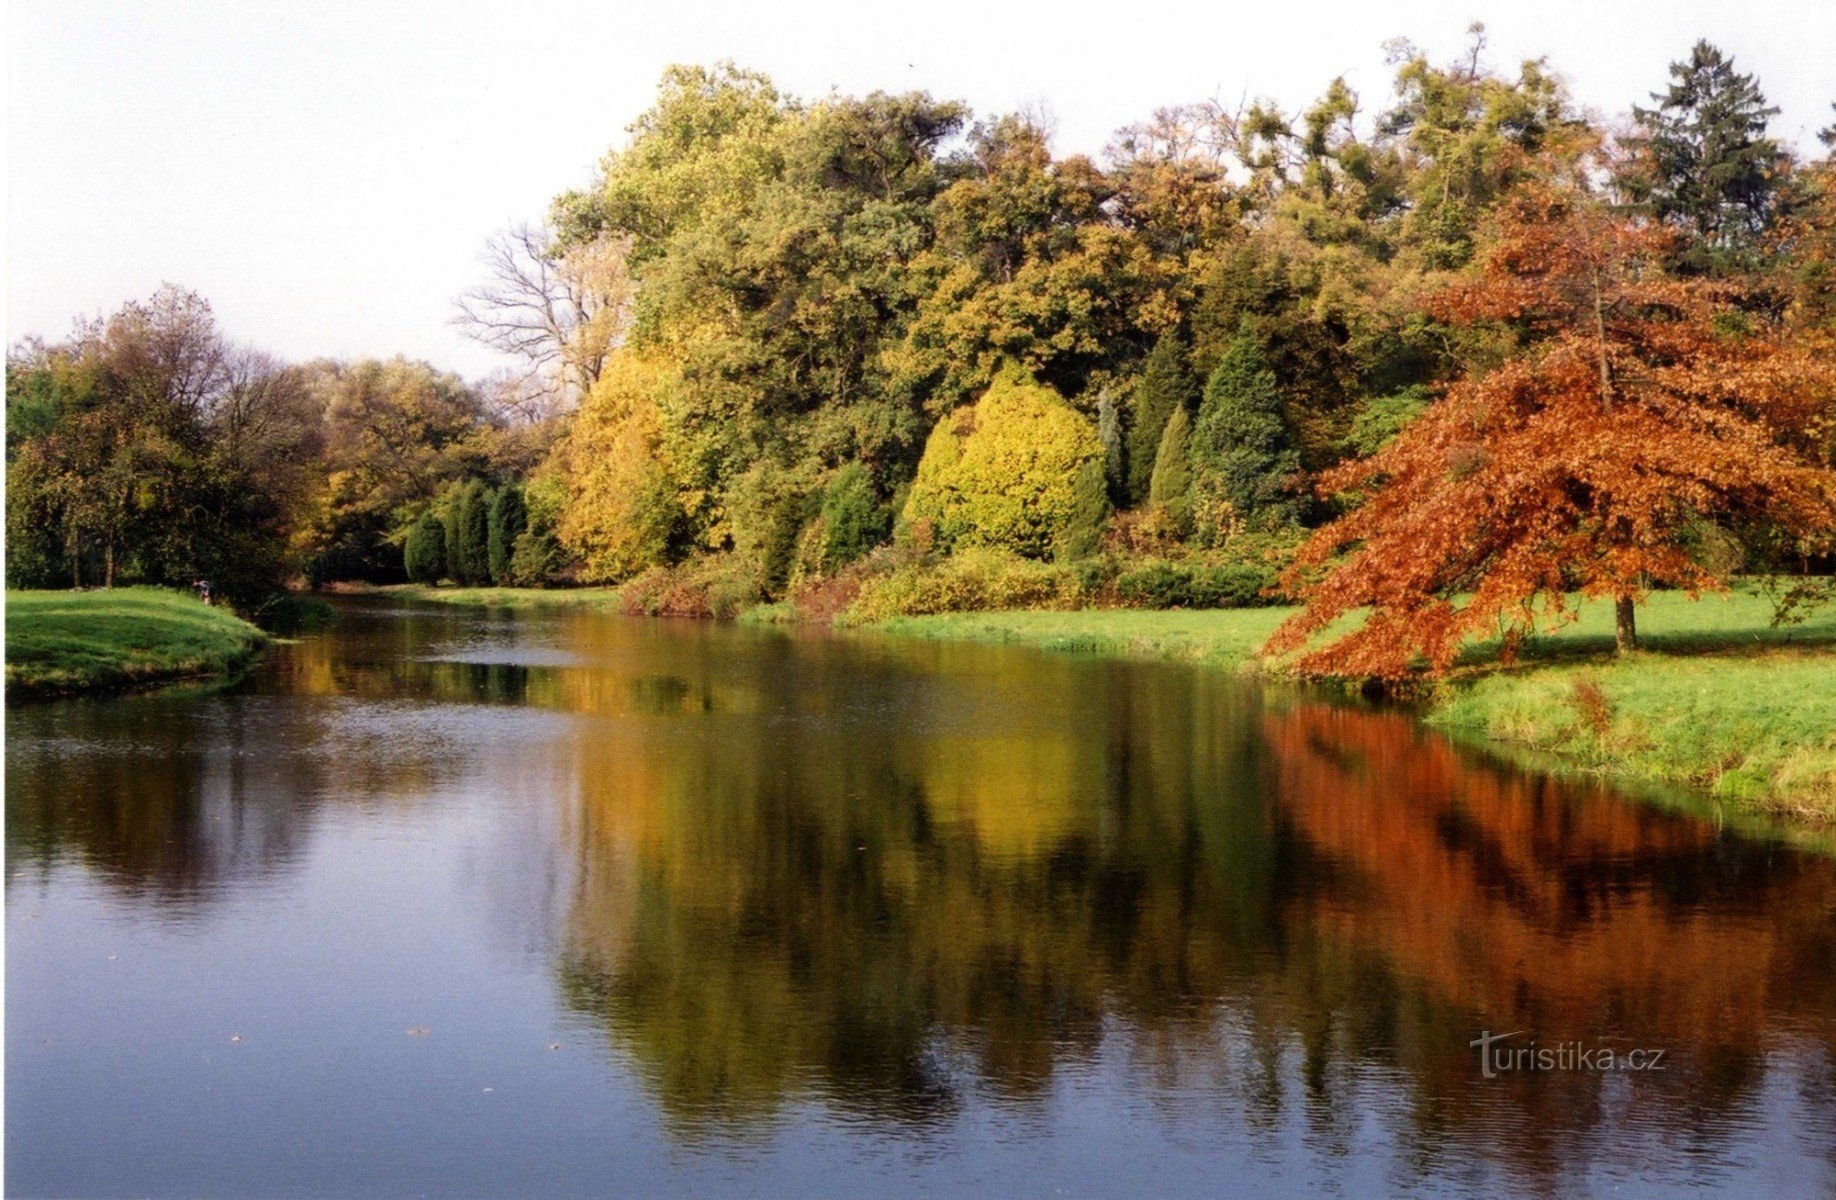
[(1631, 409)]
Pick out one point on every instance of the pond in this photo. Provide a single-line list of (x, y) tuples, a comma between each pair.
[(458, 902)]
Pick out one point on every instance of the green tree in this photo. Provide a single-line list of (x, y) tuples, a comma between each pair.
[(1242, 453), (424, 551), (1166, 386), (151, 451), (852, 517), (474, 535), (1702, 160), (508, 518), (1170, 489)]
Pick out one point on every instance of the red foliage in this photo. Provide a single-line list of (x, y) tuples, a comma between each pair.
[(1634, 405)]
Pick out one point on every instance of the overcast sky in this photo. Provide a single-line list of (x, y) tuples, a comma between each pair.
[(326, 173)]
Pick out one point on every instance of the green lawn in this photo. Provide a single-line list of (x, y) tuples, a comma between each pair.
[(505, 597), (82, 641), (1717, 699)]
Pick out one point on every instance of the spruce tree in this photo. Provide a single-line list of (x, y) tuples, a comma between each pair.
[(1242, 451), (1705, 163), (1166, 386), (509, 516)]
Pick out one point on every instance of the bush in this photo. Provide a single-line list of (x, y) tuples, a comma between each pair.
[(507, 519), (424, 551), (535, 559), (1001, 474), (719, 585), (1196, 585), (1381, 418), (972, 581)]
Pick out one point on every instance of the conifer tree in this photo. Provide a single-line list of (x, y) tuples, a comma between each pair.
[(1170, 488), (1166, 386), (1242, 451), (1090, 508), (449, 523), (508, 518), (424, 553), (1704, 162), (474, 535), (1115, 454)]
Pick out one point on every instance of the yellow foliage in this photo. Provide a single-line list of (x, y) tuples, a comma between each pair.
[(622, 512), (1002, 473)]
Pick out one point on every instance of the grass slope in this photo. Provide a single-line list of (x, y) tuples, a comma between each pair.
[(84, 641), (1757, 727)]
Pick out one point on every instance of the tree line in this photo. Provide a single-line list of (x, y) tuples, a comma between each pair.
[(779, 341)]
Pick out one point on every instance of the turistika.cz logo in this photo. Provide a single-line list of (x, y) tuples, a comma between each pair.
[(1496, 1058)]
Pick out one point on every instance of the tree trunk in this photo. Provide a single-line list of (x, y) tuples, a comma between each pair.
[(108, 564), (76, 563), (1625, 627)]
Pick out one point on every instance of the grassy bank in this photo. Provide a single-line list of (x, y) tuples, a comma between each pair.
[(606, 598), (58, 642), (1227, 638), (1755, 727), (1717, 700)]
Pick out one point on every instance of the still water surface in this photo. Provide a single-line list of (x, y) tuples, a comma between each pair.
[(459, 903)]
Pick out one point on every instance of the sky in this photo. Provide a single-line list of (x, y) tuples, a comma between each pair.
[(327, 173)]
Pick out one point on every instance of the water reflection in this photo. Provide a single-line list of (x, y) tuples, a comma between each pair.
[(901, 881)]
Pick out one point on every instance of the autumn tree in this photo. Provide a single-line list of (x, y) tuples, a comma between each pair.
[(1637, 408), (560, 307), (149, 449), (396, 433)]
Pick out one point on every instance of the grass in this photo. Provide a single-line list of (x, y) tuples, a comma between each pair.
[(1717, 699), (1758, 728), (59, 642), (1228, 638), (501, 597)]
